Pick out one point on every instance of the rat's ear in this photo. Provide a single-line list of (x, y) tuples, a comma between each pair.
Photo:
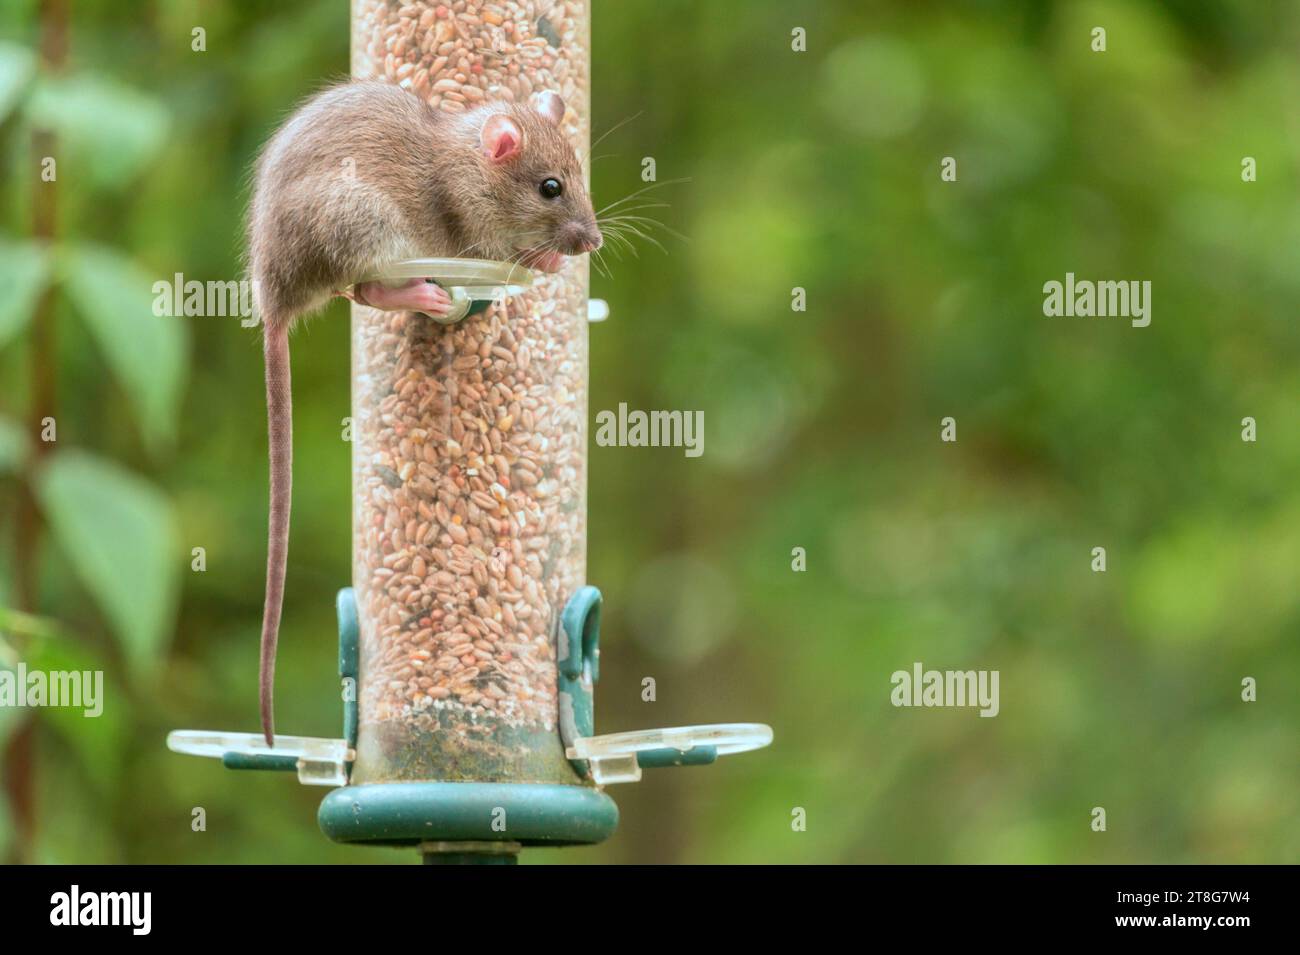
[(549, 105), (501, 138)]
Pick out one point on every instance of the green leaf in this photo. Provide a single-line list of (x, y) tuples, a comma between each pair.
[(107, 131), (13, 445), (97, 740), (27, 624), (146, 352), (24, 270), (119, 535), (17, 64)]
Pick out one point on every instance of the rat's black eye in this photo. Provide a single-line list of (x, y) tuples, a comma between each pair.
[(550, 188)]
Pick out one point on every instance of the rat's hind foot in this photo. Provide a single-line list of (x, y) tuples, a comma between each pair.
[(417, 295)]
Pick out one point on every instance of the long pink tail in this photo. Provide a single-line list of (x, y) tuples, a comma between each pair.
[(279, 420)]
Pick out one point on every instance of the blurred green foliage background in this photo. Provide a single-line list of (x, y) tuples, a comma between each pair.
[(818, 170)]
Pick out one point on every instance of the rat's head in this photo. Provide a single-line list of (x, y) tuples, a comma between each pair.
[(534, 183)]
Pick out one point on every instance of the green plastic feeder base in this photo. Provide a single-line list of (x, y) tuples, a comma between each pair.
[(531, 814)]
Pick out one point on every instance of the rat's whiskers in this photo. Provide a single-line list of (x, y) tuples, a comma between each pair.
[(601, 138), (640, 192)]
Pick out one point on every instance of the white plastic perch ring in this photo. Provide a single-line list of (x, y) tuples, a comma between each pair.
[(467, 281), (613, 757), (318, 762)]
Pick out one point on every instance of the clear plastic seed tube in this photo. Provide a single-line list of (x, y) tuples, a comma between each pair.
[(469, 445)]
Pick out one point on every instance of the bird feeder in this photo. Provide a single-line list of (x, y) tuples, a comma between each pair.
[(469, 639)]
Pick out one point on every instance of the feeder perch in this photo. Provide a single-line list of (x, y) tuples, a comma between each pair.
[(469, 639), (470, 822), (473, 284)]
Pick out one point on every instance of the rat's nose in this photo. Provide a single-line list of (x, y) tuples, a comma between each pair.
[(584, 238)]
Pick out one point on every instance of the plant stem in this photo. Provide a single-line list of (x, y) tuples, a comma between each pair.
[(20, 759)]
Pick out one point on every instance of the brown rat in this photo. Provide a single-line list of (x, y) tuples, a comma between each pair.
[(365, 174)]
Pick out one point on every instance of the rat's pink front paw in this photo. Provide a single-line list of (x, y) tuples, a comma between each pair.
[(417, 295), (430, 299)]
